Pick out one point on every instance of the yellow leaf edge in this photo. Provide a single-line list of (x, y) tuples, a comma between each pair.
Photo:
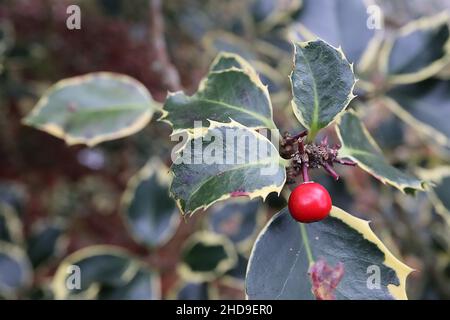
[(363, 226), (59, 132), (262, 192), (58, 284)]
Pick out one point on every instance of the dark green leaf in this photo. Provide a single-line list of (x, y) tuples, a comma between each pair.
[(221, 41), (238, 220), (106, 272), (206, 256), (322, 84), (235, 93), (278, 267), (194, 291), (439, 192), (149, 211), (45, 243), (239, 270), (93, 108), (425, 106), (340, 23), (358, 145), (10, 225), (141, 287), (225, 161), (15, 270), (13, 194), (269, 13), (418, 51)]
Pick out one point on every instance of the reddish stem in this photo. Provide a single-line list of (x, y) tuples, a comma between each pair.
[(305, 173), (301, 146), (328, 168), (299, 135)]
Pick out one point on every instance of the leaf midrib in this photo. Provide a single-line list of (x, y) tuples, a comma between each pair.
[(114, 108), (315, 118), (225, 171), (268, 122)]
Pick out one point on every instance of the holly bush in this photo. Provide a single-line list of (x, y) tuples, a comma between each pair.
[(291, 88)]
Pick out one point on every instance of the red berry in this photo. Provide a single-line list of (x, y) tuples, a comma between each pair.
[(309, 202)]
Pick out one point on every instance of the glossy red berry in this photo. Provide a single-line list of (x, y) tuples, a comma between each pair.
[(309, 202)]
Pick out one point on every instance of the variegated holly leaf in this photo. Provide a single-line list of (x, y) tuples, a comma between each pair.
[(105, 272), (358, 145), (439, 190), (269, 76), (224, 161), (231, 90), (322, 84), (15, 270), (417, 51), (11, 229), (219, 41), (206, 256), (93, 108), (45, 242), (237, 273), (279, 263), (340, 23), (194, 291), (148, 210), (268, 13), (425, 106), (238, 220)]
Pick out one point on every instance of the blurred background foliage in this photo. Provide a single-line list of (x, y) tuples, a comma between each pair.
[(107, 208)]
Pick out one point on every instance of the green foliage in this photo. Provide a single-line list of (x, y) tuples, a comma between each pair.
[(322, 84), (198, 184), (207, 256), (404, 72), (418, 51), (232, 90), (93, 108), (15, 270), (279, 264), (148, 210), (359, 145), (425, 106), (340, 23), (106, 272)]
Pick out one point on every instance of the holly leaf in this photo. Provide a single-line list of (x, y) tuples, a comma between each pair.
[(219, 41), (194, 291), (340, 23), (93, 108), (425, 106), (268, 13), (104, 272), (278, 267), (206, 256), (46, 241), (438, 193), (224, 161), (236, 275), (15, 270), (322, 84), (238, 220), (149, 212), (358, 145), (10, 224), (417, 51), (231, 90)]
